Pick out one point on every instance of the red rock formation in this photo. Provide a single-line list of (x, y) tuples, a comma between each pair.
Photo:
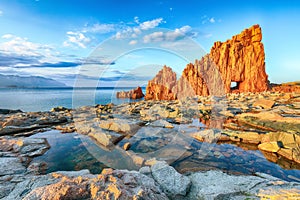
[(286, 87), (240, 60), (136, 93), (160, 87)]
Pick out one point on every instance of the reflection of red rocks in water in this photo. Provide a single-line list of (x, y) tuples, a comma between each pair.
[(240, 60)]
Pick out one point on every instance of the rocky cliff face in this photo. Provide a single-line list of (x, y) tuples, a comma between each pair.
[(240, 60), (160, 87)]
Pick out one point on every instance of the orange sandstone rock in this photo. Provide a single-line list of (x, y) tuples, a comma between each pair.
[(240, 60)]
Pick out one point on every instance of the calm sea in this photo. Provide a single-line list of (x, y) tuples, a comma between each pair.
[(44, 99)]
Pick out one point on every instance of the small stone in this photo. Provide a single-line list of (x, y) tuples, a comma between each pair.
[(145, 170), (126, 146), (151, 161)]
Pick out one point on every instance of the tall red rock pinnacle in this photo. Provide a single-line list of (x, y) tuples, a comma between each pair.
[(160, 87), (240, 60)]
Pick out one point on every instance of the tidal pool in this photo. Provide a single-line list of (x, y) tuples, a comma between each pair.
[(72, 151)]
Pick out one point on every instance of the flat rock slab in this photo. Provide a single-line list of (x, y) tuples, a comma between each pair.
[(264, 103), (269, 146), (11, 165), (120, 125), (106, 138)]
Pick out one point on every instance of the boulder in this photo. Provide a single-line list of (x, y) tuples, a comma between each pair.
[(106, 138), (219, 185), (172, 183), (264, 103)]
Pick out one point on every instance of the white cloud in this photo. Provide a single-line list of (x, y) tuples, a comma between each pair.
[(154, 37), (133, 32), (170, 36), (118, 35), (212, 20), (133, 42), (22, 46), (7, 36), (177, 33), (76, 38), (1, 13), (151, 24)]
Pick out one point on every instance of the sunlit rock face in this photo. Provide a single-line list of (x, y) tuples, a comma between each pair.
[(160, 87), (240, 60)]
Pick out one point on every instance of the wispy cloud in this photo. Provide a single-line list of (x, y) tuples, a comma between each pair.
[(151, 24), (99, 28), (1, 13)]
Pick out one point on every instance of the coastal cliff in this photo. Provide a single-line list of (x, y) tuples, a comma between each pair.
[(240, 60)]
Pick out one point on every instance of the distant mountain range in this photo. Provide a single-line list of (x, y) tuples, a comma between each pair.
[(13, 81)]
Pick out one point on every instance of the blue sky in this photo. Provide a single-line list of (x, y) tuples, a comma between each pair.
[(122, 41)]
